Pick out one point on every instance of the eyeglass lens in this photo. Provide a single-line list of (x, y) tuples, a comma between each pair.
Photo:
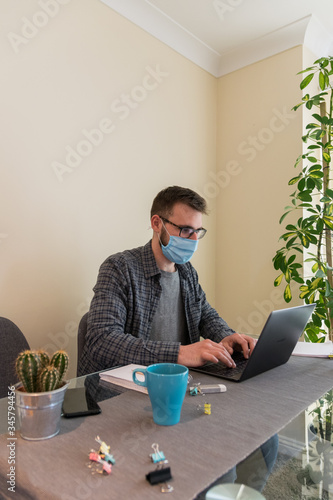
[(187, 232)]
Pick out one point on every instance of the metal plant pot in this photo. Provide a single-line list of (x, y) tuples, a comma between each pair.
[(39, 413)]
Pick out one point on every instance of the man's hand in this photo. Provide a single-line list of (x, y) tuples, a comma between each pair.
[(206, 350), (239, 342)]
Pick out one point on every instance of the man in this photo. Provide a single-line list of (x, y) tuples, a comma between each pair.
[(149, 308), (148, 305)]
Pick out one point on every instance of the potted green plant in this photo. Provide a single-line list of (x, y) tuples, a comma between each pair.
[(305, 259), (40, 392), (307, 243)]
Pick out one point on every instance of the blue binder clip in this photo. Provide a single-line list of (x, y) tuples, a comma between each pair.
[(157, 456)]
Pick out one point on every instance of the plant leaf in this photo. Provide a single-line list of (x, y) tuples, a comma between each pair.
[(304, 83), (283, 216), (287, 293), (328, 222), (304, 196), (326, 157), (322, 80), (278, 280), (294, 180)]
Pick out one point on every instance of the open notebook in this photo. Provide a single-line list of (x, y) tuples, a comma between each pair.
[(123, 376)]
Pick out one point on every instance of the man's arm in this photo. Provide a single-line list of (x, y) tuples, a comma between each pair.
[(200, 352), (239, 342)]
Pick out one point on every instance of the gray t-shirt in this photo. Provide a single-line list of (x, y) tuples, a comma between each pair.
[(169, 322)]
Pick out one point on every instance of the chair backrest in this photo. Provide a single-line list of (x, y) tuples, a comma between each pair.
[(81, 336), (12, 342)]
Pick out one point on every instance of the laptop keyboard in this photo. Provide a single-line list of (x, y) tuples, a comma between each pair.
[(221, 369)]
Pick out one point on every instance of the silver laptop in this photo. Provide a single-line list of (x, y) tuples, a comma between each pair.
[(275, 344)]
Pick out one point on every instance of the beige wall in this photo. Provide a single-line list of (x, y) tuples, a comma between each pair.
[(84, 68), (96, 117), (258, 142)]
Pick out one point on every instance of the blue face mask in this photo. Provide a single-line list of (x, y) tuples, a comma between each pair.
[(179, 250)]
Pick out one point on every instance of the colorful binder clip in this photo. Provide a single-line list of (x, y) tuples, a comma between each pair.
[(162, 474), (104, 451), (206, 408), (95, 457), (157, 456), (102, 460), (195, 390)]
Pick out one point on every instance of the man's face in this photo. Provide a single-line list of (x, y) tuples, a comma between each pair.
[(183, 216)]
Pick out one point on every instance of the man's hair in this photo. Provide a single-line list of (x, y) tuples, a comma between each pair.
[(166, 199)]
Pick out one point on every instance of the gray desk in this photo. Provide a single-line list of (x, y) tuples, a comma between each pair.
[(199, 449)]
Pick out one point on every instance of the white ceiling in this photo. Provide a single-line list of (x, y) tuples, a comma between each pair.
[(224, 35)]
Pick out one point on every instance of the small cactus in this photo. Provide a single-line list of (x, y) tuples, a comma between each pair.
[(60, 361), (49, 378), (27, 368), (37, 373), (44, 357)]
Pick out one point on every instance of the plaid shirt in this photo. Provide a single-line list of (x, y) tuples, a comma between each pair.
[(126, 297)]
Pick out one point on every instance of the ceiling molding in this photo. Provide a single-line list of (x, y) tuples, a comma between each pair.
[(165, 29), (266, 46), (318, 39), (308, 31)]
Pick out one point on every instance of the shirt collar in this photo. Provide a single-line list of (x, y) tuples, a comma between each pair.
[(151, 268)]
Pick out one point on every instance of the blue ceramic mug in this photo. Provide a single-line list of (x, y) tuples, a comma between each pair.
[(166, 384)]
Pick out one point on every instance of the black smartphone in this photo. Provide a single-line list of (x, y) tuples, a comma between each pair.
[(78, 403)]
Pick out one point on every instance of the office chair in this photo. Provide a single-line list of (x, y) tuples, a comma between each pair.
[(82, 330), (12, 342)]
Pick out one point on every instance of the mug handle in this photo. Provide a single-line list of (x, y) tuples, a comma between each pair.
[(137, 381)]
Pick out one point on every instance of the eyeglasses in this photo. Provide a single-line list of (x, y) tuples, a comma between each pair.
[(186, 232)]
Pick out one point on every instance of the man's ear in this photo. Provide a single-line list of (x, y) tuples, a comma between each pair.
[(156, 223)]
